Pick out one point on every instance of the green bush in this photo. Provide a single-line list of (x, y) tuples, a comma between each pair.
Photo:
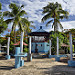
[(26, 50)]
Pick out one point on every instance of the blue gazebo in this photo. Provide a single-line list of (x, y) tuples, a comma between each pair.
[(39, 41)]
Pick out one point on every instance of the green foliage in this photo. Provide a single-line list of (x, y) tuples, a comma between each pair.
[(62, 39), (16, 15), (3, 24), (26, 50)]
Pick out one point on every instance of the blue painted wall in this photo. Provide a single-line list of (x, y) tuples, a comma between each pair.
[(42, 49)]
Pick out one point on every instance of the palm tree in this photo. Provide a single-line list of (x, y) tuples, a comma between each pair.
[(15, 16), (53, 12)]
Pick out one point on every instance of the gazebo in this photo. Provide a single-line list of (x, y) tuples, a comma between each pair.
[(39, 41)]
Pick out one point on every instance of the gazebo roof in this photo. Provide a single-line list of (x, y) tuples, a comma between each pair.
[(39, 32)]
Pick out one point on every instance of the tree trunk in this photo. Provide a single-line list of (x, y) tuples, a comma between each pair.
[(15, 36), (14, 39), (55, 25)]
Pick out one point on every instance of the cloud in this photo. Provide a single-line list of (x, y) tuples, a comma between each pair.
[(68, 25)]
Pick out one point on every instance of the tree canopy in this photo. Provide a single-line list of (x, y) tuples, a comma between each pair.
[(3, 24), (53, 12)]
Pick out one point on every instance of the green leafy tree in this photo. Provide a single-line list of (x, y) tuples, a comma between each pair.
[(15, 16), (3, 24), (62, 39), (53, 12)]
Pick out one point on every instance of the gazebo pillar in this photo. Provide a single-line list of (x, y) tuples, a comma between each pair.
[(8, 56), (50, 49), (71, 62), (57, 58), (29, 58)]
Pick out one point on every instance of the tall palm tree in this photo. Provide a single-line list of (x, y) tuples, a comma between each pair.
[(53, 12), (15, 16)]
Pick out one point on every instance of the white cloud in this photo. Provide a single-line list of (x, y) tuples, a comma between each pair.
[(68, 24)]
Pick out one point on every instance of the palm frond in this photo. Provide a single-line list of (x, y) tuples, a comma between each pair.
[(32, 26), (22, 6), (47, 16), (49, 22), (13, 26), (7, 13), (0, 6), (22, 13), (8, 21), (20, 26)]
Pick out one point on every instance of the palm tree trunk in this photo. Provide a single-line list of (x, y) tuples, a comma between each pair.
[(54, 25), (15, 36), (14, 39)]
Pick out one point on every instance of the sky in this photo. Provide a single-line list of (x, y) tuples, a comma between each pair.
[(34, 10)]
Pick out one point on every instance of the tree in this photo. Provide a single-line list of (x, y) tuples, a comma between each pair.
[(3, 24), (15, 16), (53, 12), (62, 39)]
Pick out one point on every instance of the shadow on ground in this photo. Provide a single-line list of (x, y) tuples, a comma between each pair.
[(59, 70), (6, 67), (64, 60)]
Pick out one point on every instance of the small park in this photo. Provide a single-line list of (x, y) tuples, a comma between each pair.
[(29, 49)]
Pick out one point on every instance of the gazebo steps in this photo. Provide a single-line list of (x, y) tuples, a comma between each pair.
[(39, 55)]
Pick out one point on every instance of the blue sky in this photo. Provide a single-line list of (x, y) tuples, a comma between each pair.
[(34, 10)]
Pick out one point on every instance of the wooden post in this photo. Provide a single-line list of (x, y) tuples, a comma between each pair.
[(57, 46), (50, 47), (8, 45), (21, 42), (70, 39)]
